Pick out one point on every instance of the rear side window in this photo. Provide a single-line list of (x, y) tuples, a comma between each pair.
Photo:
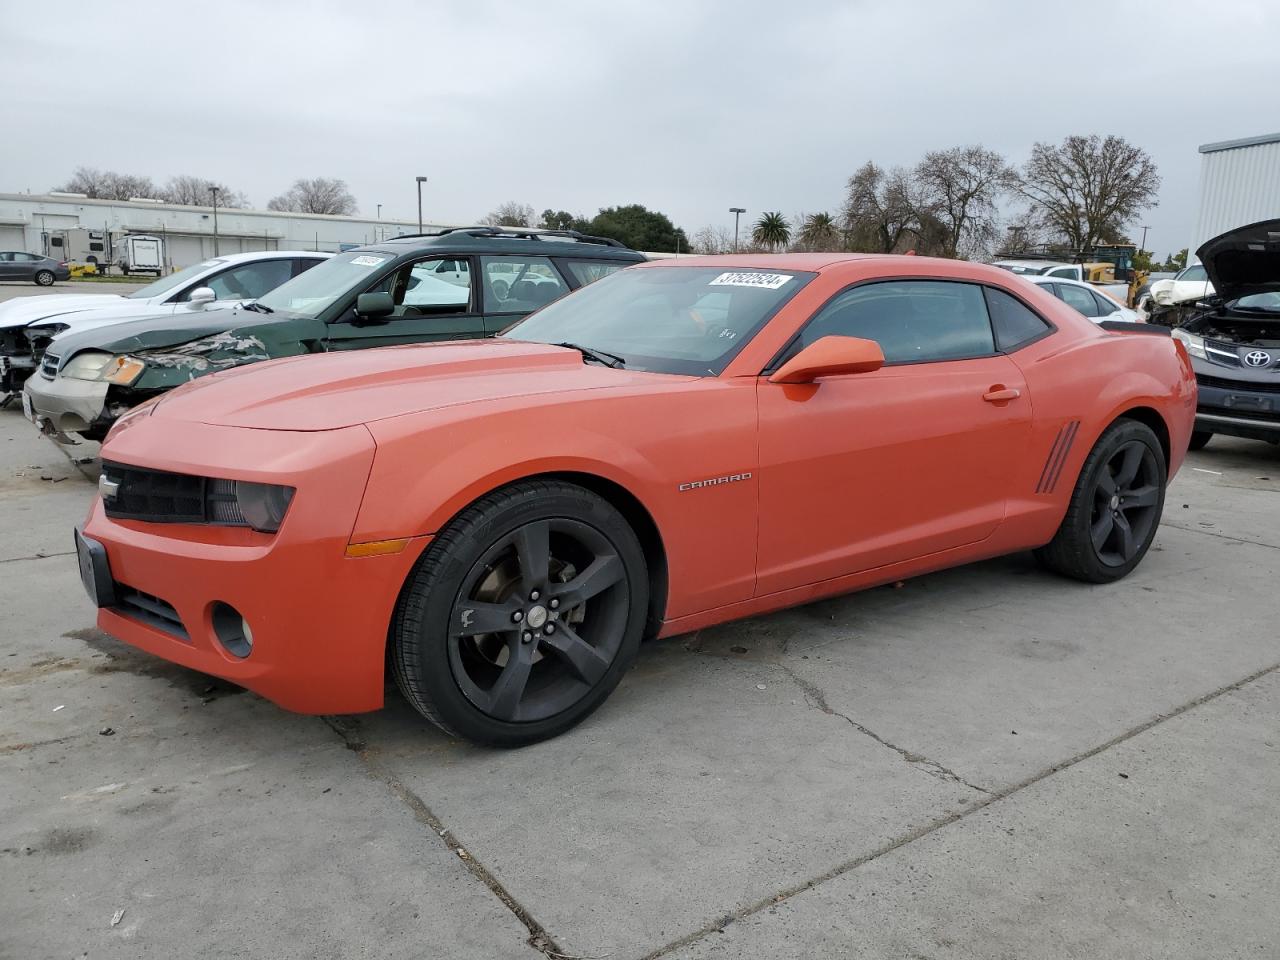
[(1105, 307), (519, 284), (1079, 298), (914, 321), (1013, 322), (1069, 272), (589, 271)]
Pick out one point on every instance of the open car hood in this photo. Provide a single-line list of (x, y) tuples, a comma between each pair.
[(1244, 261)]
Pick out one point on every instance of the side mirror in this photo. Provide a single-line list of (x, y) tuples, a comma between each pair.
[(200, 296), (830, 357), (374, 306)]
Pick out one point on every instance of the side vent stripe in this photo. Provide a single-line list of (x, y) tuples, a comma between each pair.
[(1057, 458)]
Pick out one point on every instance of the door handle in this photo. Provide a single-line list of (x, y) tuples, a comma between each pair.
[(998, 394)]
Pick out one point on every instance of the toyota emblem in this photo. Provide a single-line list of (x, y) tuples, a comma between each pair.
[(1257, 358)]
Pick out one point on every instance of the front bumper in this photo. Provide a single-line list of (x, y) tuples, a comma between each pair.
[(1238, 408), (319, 618), (65, 404)]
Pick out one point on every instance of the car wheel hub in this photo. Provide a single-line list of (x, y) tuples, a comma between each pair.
[(536, 617)]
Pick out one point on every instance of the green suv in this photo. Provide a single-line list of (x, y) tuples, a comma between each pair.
[(466, 282)]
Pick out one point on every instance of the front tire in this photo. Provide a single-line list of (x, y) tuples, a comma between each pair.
[(44, 278), (1114, 509), (522, 615), (1199, 439)]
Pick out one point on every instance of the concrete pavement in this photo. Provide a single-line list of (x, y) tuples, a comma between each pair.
[(986, 762)]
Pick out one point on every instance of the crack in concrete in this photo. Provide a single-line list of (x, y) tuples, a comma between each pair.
[(818, 700), (718, 925), (539, 939), (39, 556), (1220, 536)]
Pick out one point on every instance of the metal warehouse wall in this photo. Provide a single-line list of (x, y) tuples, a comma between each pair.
[(1239, 184)]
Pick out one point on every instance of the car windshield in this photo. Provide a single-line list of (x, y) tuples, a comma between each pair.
[(1266, 302), (1023, 269), (686, 320), (174, 280), (1195, 274), (310, 293)]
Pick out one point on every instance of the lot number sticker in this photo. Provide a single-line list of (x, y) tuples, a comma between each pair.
[(367, 261), (765, 281)]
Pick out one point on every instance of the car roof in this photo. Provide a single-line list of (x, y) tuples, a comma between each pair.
[(266, 255), (544, 243), (1042, 279)]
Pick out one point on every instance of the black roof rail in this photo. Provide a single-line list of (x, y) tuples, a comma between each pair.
[(519, 233)]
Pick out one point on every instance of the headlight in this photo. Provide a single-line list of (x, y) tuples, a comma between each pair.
[(103, 366), (259, 505), (1194, 344)]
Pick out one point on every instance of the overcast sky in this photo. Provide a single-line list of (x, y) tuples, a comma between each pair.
[(686, 107)]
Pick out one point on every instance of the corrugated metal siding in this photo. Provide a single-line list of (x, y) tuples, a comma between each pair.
[(1237, 186)]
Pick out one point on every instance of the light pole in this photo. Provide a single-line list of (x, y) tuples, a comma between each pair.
[(1144, 237), (214, 191), (375, 229), (737, 212), (421, 181)]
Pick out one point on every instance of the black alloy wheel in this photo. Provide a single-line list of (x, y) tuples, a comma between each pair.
[(522, 615), (1126, 495), (1115, 507)]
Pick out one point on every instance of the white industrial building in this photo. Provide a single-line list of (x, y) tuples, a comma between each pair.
[(34, 223), (1239, 184)]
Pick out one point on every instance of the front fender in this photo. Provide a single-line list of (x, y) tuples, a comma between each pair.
[(431, 465)]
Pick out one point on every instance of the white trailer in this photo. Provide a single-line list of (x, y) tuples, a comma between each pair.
[(139, 253)]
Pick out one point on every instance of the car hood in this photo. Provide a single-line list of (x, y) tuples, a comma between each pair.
[(170, 330), (1244, 261), (24, 310), (107, 316), (334, 390)]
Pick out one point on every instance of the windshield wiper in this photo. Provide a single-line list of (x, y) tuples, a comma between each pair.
[(599, 356), (255, 306)]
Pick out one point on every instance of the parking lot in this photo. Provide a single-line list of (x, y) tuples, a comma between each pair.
[(987, 762)]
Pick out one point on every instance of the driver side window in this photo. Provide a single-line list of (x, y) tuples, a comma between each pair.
[(247, 282), (428, 288), (914, 321)]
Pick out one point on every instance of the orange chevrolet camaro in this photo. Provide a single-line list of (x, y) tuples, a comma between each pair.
[(685, 442)]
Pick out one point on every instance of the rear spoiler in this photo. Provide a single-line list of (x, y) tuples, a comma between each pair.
[(1128, 326)]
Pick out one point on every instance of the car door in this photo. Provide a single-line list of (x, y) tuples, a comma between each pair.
[(514, 286), (435, 299), (869, 469), (7, 266)]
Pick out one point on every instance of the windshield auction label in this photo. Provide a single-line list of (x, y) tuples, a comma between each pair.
[(765, 281), (363, 261)]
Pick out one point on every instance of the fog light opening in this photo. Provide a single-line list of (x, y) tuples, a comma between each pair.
[(232, 630)]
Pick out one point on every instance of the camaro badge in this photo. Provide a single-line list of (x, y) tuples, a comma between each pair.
[(713, 482)]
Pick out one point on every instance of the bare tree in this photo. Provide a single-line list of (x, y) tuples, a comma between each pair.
[(1088, 188), (881, 210), (318, 195), (712, 240), (108, 185), (960, 189), (511, 214), (198, 192)]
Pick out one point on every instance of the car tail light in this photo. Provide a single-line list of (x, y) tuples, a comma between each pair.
[(62, 263)]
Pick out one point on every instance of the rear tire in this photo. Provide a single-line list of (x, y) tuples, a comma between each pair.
[(556, 579), (1198, 439), (44, 278), (1114, 509)]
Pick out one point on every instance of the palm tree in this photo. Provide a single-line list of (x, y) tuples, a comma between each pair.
[(820, 232), (772, 231)]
